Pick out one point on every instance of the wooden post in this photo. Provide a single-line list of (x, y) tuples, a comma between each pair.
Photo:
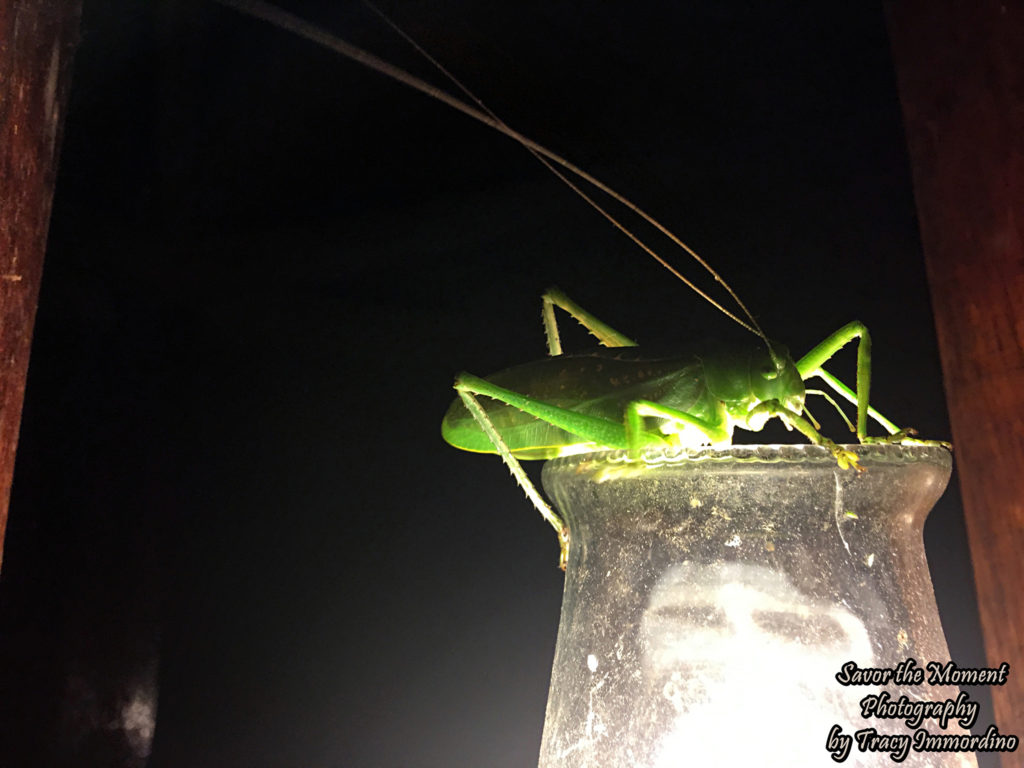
[(37, 42), (960, 68)]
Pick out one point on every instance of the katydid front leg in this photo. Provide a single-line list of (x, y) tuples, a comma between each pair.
[(844, 458), (896, 434), (811, 365)]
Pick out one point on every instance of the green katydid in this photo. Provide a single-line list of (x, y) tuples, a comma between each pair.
[(620, 400), (617, 398)]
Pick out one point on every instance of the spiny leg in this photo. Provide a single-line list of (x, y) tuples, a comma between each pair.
[(593, 429), (478, 413), (603, 332), (606, 433)]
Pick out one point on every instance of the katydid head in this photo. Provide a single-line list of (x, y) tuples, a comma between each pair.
[(743, 380), (774, 376)]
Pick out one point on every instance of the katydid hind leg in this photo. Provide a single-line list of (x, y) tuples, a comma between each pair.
[(630, 434), (604, 333), (488, 428), (593, 429), (590, 429)]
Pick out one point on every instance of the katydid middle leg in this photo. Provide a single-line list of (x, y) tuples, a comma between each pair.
[(715, 430)]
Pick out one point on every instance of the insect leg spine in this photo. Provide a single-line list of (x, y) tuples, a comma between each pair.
[(556, 522)]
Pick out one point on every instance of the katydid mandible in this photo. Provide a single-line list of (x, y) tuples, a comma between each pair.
[(617, 399)]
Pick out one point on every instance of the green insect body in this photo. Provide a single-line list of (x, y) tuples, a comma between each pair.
[(616, 398), (719, 392)]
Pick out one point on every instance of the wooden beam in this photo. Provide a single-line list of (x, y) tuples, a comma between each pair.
[(37, 42), (960, 68)]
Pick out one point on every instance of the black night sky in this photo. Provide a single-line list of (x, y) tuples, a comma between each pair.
[(266, 265)]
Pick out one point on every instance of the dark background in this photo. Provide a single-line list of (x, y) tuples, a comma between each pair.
[(266, 265)]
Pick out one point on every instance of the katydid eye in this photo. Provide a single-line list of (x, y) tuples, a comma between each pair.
[(769, 372)]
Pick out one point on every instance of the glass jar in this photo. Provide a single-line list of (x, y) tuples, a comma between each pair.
[(712, 596)]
